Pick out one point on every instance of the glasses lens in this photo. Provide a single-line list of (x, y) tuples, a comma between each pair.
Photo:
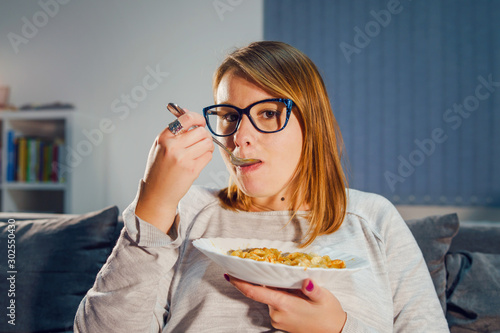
[(269, 116), (222, 119)]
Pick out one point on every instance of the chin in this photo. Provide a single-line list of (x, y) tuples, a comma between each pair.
[(257, 190)]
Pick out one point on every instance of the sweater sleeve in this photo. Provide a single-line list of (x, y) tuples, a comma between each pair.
[(415, 305), (415, 302), (131, 289)]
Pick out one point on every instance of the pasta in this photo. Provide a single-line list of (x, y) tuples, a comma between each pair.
[(291, 259)]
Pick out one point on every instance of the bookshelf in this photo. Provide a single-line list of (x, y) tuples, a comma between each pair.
[(32, 147)]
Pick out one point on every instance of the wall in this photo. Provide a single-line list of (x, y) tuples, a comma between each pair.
[(100, 56), (414, 86)]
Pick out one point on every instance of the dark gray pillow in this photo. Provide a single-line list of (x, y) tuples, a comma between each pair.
[(56, 261), (473, 292), (486, 236), (434, 235)]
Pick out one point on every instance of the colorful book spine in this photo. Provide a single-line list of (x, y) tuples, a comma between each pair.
[(16, 158), (22, 159), (47, 161), (55, 158), (60, 160), (39, 175), (34, 147), (11, 157), (31, 159)]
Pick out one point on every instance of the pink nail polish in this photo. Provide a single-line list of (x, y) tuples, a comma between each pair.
[(310, 286), (226, 277)]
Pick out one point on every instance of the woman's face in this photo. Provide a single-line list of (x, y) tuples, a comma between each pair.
[(265, 182)]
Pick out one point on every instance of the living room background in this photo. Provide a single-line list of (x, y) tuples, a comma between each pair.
[(120, 63), (414, 86)]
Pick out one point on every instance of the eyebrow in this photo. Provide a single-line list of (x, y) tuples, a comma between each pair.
[(228, 103)]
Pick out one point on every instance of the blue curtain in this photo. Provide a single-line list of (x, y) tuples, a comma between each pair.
[(415, 87)]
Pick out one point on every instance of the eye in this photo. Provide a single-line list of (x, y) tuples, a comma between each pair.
[(230, 117), (269, 114)]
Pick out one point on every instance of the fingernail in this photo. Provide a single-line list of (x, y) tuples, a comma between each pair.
[(310, 286), (226, 277)]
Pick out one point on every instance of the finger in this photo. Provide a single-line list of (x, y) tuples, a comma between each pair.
[(312, 291), (272, 297), (195, 136), (199, 150), (185, 140), (188, 120), (318, 295), (192, 145), (203, 161), (180, 151), (297, 292)]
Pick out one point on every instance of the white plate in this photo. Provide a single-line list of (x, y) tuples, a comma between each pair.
[(274, 275)]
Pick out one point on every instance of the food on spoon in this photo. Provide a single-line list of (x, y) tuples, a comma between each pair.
[(275, 256)]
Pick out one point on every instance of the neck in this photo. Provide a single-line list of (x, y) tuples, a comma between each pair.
[(277, 202)]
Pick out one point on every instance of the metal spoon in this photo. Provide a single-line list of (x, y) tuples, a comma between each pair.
[(177, 111)]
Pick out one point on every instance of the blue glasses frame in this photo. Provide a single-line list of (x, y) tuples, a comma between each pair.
[(246, 111)]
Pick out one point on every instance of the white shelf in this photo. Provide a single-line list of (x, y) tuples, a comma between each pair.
[(31, 196), (33, 186)]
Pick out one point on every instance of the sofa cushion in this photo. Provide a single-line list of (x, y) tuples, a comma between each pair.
[(56, 262), (473, 292), (434, 235), (484, 233)]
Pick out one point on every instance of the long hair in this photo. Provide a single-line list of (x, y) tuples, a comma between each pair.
[(319, 180)]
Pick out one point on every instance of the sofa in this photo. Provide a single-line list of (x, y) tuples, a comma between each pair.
[(57, 257)]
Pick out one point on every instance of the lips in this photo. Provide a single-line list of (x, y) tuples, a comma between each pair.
[(248, 158), (250, 166)]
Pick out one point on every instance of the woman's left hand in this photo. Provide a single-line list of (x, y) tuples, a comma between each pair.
[(309, 309)]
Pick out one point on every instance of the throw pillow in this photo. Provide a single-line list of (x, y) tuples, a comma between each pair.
[(484, 233), (473, 292), (56, 262), (434, 235)]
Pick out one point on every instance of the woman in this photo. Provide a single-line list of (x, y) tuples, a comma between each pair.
[(274, 108)]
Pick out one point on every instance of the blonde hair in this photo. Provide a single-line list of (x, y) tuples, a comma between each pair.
[(319, 180)]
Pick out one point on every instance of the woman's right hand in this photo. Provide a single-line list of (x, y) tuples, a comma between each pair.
[(174, 162)]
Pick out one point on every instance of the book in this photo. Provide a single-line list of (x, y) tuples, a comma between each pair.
[(54, 163), (60, 159), (11, 156), (33, 163), (22, 159), (34, 159), (47, 161)]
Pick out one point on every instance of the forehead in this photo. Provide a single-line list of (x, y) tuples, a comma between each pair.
[(239, 90)]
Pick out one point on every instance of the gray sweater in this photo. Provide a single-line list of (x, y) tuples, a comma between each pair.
[(154, 282)]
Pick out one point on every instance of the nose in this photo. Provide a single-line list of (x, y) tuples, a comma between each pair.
[(245, 134)]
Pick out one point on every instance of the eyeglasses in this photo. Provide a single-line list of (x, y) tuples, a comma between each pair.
[(267, 116)]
